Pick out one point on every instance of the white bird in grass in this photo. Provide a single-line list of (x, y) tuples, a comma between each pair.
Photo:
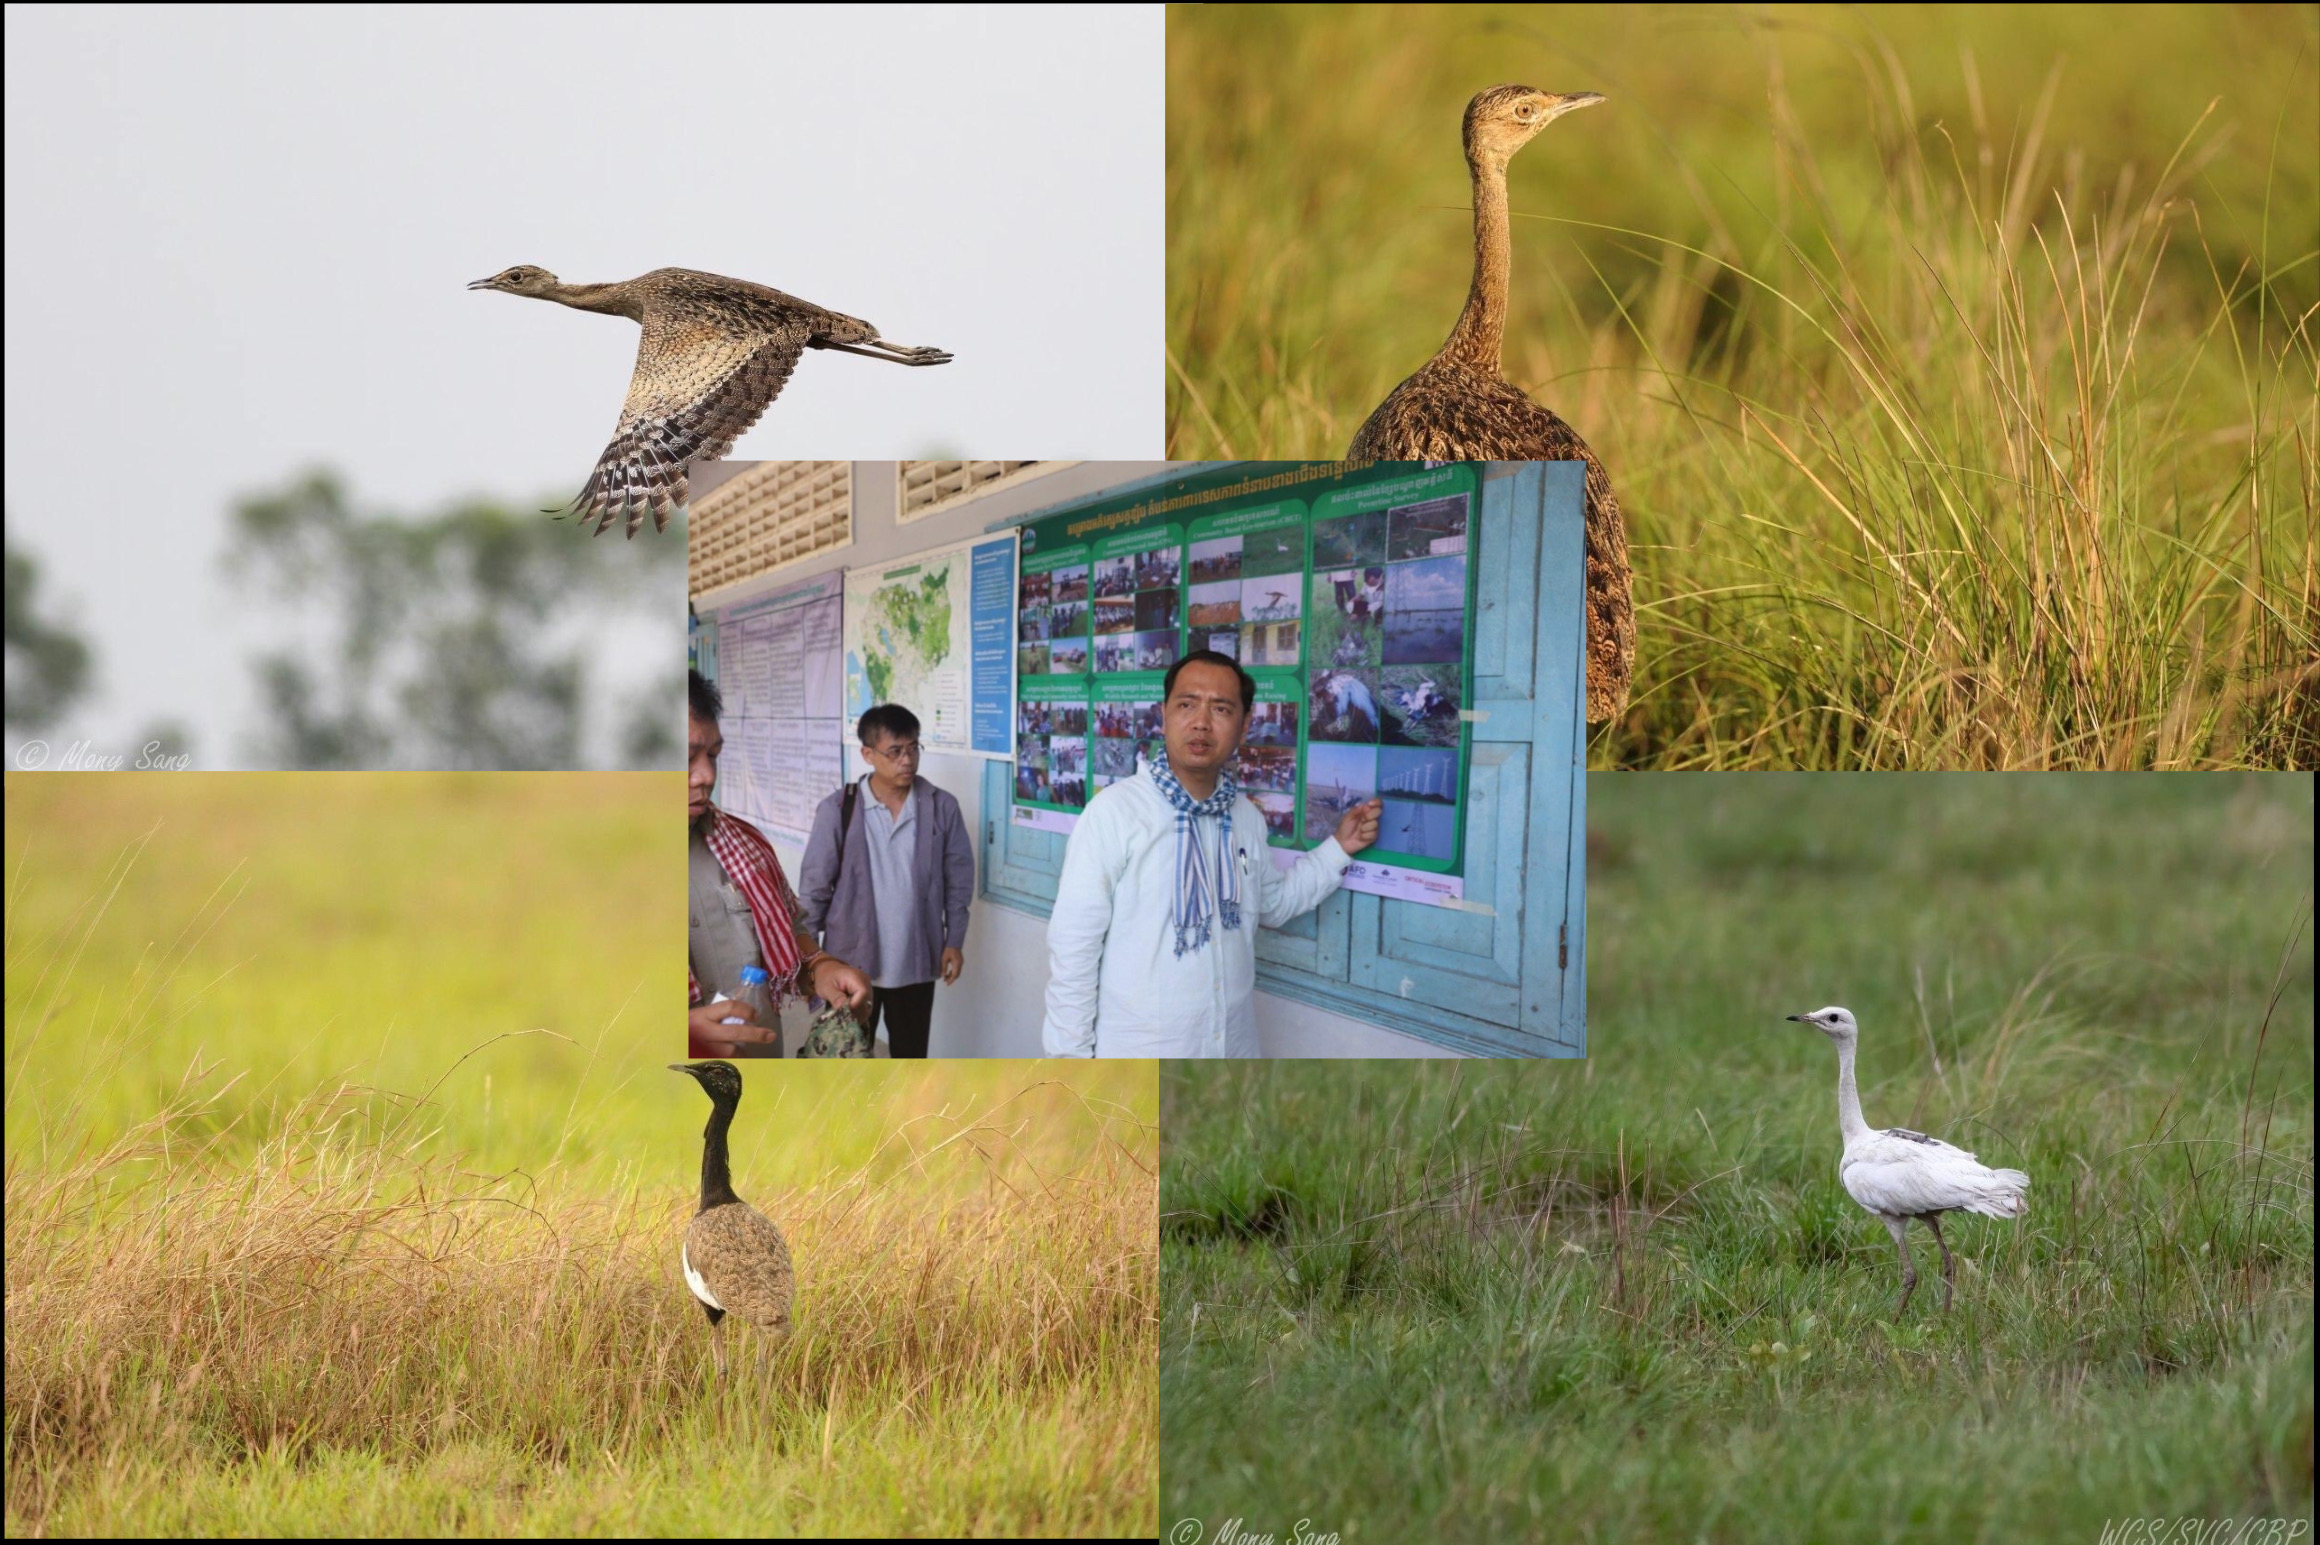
[(1899, 1174)]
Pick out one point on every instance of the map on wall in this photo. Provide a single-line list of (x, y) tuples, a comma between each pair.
[(1347, 595), (931, 633)]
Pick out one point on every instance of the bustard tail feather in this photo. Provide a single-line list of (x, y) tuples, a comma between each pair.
[(2003, 1196)]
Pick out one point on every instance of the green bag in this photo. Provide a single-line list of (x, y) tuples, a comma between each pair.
[(835, 1032)]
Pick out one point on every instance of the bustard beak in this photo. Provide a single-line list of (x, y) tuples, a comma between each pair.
[(1573, 101), (480, 284)]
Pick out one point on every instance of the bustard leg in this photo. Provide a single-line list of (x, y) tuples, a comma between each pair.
[(1948, 1266), (1899, 1229), (892, 353)]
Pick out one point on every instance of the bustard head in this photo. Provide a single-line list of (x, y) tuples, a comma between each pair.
[(1837, 1024), (722, 1080), (523, 279), (1502, 120)]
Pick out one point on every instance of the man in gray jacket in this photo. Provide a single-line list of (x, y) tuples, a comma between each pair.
[(888, 876)]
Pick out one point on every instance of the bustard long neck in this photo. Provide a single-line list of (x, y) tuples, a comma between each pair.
[(716, 1171), (1474, 342), (1848, 1097), (611, 299)]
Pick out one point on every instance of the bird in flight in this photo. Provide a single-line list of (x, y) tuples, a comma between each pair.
[(715, 351)]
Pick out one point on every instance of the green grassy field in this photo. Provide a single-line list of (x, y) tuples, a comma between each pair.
[(1954, 365), (283, 1257), (1628, 1299)]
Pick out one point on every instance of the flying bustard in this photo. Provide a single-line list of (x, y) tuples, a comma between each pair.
[(1899, 1174), (715, 351), (735, 1260)]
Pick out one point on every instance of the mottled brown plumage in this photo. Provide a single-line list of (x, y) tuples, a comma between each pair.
[(715, 351), (1459, 407), (734, 1260)]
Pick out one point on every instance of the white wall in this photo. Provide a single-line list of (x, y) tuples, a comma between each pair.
[(995, 1009)]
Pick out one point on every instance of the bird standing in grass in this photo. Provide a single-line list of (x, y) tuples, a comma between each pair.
[(1899, 1174), (1459, 407), (715, 351), (735, 1260)]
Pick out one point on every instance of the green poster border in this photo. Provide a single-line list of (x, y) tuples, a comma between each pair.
[(1052, 689), (1287, 680), (1456, 478), (1195, 507)]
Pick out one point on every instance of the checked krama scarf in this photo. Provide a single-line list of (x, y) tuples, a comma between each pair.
[(1206, 884), (749, 862)]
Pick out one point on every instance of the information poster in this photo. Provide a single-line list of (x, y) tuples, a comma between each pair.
[(701, 643), (932, 633), (775, 660), (1347, 595)]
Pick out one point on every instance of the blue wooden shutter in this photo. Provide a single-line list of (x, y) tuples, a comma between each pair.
[(1020, 866)]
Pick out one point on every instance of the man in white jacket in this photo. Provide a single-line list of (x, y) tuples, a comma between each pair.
[(1152, 945)]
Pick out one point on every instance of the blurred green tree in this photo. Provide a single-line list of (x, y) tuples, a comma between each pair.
[(457, 639), (48, 665)]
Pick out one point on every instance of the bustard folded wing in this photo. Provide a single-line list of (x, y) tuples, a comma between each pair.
[(1906, 1174), (742, 1264), (696, 389)]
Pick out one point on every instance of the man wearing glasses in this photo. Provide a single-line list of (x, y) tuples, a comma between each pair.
[(889, 873)]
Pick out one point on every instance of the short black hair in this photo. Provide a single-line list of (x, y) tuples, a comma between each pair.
[(1211, 657), (893, 718), (707, 702)]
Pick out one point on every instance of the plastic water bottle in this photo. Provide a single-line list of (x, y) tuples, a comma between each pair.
[(756, 991)]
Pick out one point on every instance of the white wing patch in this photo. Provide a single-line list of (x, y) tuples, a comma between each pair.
[(693, 1281)]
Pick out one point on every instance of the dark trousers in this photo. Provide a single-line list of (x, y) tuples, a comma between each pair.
[(908, 1011)]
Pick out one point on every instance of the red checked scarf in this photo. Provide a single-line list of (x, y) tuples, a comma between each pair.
[(749, 862)]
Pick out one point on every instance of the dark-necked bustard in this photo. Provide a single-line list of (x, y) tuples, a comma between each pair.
[(715, 351), (1458, 407), (735, 1260)]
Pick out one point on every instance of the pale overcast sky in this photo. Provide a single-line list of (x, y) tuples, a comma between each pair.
[(238, 244)]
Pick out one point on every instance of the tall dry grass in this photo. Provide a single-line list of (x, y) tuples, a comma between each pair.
[(177, 1302), (1950, 433), (301, 1240)]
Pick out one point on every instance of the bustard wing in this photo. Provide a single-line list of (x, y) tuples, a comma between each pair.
[(742, 1262), (1906, 1174), (697, 387), (742, 307)]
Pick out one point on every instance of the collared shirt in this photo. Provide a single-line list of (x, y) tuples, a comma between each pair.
[(723, 934), (892, 840), (1116, 986)]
